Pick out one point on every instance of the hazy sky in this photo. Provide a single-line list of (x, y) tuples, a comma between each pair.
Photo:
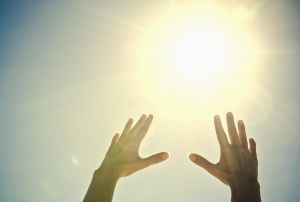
[(70, 76)]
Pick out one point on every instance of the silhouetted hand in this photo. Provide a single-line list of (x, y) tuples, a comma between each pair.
[(122, 159), (238, 164)]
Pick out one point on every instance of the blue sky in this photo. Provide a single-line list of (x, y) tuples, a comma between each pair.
[(69, 80)]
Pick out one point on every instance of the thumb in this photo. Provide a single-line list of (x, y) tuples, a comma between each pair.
[(208, 166), (201, 161), (154, 159)]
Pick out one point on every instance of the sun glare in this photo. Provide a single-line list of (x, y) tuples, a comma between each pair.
[(201, 52)]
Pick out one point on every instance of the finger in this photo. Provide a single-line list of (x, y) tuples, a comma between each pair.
[(242, 133), (138, 125), (233, 135), (113, 142), (252, 145), (154, 159), (144, 129), (221, 135), (126, 129), (201, 161), (115, 139), (208, 166)]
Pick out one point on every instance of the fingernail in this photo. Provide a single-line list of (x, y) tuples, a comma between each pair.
[(165, 156), (240, 122), (192, 157), (150, 116), (252, 140), (229, 114)]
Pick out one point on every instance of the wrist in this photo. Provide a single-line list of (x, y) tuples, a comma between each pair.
[(102, 174), (102, 186), (245, 189)]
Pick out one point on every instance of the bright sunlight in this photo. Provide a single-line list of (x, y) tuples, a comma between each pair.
[(199, 43), (199, 51)]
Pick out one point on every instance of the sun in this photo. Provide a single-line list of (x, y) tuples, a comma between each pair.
[(200, 51), (198, 45), (192, 55)]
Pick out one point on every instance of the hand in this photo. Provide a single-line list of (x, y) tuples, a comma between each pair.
[(122, 158), (238, 164)]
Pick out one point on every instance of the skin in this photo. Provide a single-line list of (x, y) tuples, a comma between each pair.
[(238, 165), (121, 160)]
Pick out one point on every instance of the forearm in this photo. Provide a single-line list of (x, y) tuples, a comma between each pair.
[(101, 188), (245, 191)]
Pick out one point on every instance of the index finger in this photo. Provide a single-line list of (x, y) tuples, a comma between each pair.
[(232, 132), (221, 135), (138, 125), (144, 129)]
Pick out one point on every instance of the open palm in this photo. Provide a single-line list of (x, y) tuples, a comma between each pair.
[(236, 160), (122, 158)]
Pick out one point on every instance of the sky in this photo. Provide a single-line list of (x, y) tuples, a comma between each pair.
[(72, 72)]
